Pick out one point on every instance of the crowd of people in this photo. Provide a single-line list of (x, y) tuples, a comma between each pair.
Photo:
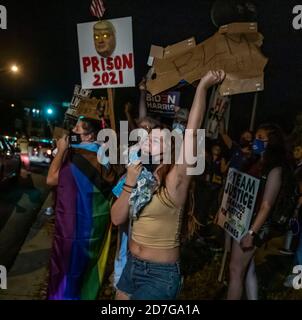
[(158, 206)]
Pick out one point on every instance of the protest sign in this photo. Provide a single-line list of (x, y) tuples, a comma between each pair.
[(78, 94), (58, 133), (238, 203), (106, 54), (219, 109), (96, 109), (163, 104), (235, 48)]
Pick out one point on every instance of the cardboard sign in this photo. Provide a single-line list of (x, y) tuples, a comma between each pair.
[(78, 94), (163, 104), (238, 203), (235, 48), (106, 54), (96, 109), (219, 108), (58, 133)]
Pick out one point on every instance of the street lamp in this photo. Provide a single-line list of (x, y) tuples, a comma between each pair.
[(14, 68), (49, 111), (10, 69)]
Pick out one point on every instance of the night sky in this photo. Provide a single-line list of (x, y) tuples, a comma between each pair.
[(42, 37)]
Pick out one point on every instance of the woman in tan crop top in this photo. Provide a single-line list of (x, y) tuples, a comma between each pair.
[(152, 269)]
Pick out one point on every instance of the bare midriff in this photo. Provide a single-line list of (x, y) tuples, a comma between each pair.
[(154, 255)]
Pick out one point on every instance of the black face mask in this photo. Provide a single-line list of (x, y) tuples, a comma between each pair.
[(75, 138)]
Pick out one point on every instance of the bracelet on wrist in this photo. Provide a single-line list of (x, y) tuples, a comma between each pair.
[(252, 233), (127, 191), (127, 185)]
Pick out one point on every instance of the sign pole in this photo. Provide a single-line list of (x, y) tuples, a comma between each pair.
[(252, 123), (111, 94)]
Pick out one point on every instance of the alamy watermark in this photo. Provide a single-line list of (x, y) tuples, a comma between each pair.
[(297, 21), (3, 17), (3, 277), (166, 147), (297, 281)]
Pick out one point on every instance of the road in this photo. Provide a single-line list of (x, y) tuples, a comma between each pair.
[(20, 202)]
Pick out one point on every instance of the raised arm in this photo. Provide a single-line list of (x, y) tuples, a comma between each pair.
[(195, 120), (53, 172)]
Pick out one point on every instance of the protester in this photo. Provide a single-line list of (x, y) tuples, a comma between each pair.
[(148, 124), (269, 147), (152, 269), (82, 215), (143, 122), (240, 153)]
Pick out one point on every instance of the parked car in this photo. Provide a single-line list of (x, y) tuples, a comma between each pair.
[(39, 151), (10, 161)]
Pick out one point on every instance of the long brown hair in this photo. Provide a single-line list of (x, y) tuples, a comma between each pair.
[(190, 223)]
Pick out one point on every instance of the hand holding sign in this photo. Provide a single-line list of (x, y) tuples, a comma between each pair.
[(211, 78)]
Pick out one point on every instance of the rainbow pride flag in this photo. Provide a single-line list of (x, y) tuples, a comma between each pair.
[(82, 229)]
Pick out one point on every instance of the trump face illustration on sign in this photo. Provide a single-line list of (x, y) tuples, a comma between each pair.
[(104, 38)]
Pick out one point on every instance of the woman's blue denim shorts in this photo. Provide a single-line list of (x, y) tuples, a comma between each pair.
[(143, 280)]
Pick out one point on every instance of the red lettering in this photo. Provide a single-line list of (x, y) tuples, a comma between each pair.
[(127, 61), (118, 62), (103, 64), (164, 99), (95, 64), (110, 65), (97, 81), (112, 75), (105, 78), (121, 77), (86, 63)]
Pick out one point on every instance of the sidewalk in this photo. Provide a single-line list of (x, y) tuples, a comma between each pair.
[(29, 272)]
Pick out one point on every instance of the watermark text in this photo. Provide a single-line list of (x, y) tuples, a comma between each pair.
[(3, 18)]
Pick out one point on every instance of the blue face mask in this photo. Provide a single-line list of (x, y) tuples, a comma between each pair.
[(178, 127), (259, 146)]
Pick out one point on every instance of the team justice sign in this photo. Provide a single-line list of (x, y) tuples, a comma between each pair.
[(238, 203), (106, 54), (3, 17)]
